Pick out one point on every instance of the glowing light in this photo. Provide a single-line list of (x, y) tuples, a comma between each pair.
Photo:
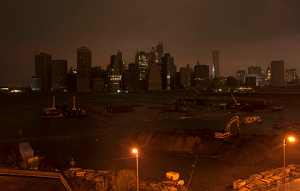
[(291, 139), (134, 151)]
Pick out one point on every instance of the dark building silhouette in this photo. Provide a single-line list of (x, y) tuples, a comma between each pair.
[(201, 76), (185, 77), (72, 80), (231, 81), (277, 73), (115, 71), (132, 77), (240, 77), (257, 70), (99, 78), (215, 65), (160, 51), (168, 72), (250, 81), (42, 79), (59, 75), (154, 79), (84, 63)]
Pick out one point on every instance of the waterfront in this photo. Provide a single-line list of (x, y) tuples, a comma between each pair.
[(101, 141)]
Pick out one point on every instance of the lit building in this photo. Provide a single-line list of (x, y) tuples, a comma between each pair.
[(168, 72), (277, 71), (142, 59), (115, 71), (291, 75), (42, 79), (84, 63), (240, 77), (267, 76), (215, 65), (59, 75)]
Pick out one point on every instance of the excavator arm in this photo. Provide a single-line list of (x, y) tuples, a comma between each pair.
[(226, 131)]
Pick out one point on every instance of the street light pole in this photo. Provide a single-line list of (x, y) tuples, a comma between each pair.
[(284, 160), (291, 139), (137, 168)]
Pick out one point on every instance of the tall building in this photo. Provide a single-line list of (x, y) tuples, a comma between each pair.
[(84, 64), (154, 79), (201, 75), (99, 78), (42, 79), (240, 77), (59, 75), (115, 71), (231, 81), (277, 71), (185, 76), (257, 70), (215, 65), (291, 75), (168, 72), (160, 51), (142, 59), (132, 77)]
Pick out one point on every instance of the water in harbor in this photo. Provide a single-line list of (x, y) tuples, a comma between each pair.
[(99, 142)]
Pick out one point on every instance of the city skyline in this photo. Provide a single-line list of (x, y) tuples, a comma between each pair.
[(248, 33)]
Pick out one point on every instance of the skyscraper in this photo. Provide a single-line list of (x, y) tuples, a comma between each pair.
[(291, 75), (215, 65), (59, 75), (201, 75), (257, 70), (115, 71), (160, 51), (84, 63), (168, 72), (142, 60), (42, 79), (185, 76), (154, 79), (240, 77), (277, 71)]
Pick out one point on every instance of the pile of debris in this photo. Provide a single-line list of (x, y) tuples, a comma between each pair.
[(268, 179), (203, 142)]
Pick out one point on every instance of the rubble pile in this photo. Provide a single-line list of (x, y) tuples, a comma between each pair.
[(268, 179), (203, 142)]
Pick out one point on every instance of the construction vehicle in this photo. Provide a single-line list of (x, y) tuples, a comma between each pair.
[(236, 103), (225, 133)]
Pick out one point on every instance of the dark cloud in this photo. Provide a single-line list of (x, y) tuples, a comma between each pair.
[(248, 32)]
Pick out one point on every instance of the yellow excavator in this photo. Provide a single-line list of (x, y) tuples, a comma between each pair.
[(225, 134)]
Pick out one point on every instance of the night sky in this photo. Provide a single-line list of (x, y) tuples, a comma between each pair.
[(246, 32)]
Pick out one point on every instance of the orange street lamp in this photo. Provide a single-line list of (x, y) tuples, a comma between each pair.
[(291, 139), (135, 151)]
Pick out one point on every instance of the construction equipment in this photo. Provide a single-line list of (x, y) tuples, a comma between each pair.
[(236, 103), (225, 133)]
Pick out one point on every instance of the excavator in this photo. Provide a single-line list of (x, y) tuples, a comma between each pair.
[(225, 134)]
